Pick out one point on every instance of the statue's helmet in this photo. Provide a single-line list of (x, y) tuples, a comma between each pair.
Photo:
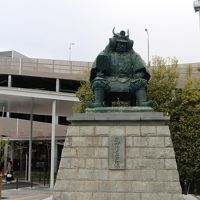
[(120, 37)]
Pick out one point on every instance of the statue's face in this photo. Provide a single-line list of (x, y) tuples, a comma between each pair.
[(121, 47)]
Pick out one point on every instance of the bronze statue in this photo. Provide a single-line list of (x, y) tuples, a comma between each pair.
[(119, 73)]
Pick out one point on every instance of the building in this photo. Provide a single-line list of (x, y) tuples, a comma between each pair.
[(37, 96)]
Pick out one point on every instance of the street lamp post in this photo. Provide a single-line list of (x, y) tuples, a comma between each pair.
[(70, 48), (147, 45), (196, 5)]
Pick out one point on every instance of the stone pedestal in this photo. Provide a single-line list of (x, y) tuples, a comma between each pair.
[(118, 156)]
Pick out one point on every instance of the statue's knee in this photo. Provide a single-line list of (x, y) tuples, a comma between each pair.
[(138, 84), (133, 90), (98, 84)]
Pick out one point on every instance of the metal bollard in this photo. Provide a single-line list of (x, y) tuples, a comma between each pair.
[(31, 182), (17, 183), (185, 188), (195, 189), (40, 178), (44, 179), (0, 184)]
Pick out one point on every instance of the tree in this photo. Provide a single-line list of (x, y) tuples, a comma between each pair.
[(163, 82), (183, 106), (184, 125), (84, 93), (2, 144)]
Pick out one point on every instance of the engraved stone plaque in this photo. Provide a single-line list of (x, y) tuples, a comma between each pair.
[(116, 152)]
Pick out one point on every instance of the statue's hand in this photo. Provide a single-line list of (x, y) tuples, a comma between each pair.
[(100, 74), (139, 75)]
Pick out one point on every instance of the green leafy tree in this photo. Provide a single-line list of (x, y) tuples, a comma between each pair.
[(185, 123), (2, 144), (84, 93), (183, 106), (164, 76)]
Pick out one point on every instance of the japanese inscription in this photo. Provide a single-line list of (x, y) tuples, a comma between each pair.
[(116, 152)]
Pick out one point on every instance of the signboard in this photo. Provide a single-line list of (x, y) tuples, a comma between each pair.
[(116, 152)]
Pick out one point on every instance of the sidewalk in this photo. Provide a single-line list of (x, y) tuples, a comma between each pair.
[(27, 193), (190, 197)]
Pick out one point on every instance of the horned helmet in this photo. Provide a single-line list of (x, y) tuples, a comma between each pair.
[(120, 37)]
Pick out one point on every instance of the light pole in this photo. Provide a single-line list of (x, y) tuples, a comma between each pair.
[(196, 5), (70, 48), (147, 45)]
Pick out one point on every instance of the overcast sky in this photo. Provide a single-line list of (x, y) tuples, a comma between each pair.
[(45, 28)]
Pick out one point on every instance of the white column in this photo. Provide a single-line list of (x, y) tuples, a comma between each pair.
[(56, 158), (57, 90), (9, 80), (53, 131), (30, 142), (57, 85), (56, 121)]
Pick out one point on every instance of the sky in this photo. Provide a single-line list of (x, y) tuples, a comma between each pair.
[(45, 28)]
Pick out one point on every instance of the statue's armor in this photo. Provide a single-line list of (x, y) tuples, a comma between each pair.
[(121, 65), (120, 72)]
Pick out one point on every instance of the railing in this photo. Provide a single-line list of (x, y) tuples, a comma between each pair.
[(43, 67)]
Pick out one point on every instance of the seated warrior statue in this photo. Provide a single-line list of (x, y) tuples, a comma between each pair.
[(119, 71)]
